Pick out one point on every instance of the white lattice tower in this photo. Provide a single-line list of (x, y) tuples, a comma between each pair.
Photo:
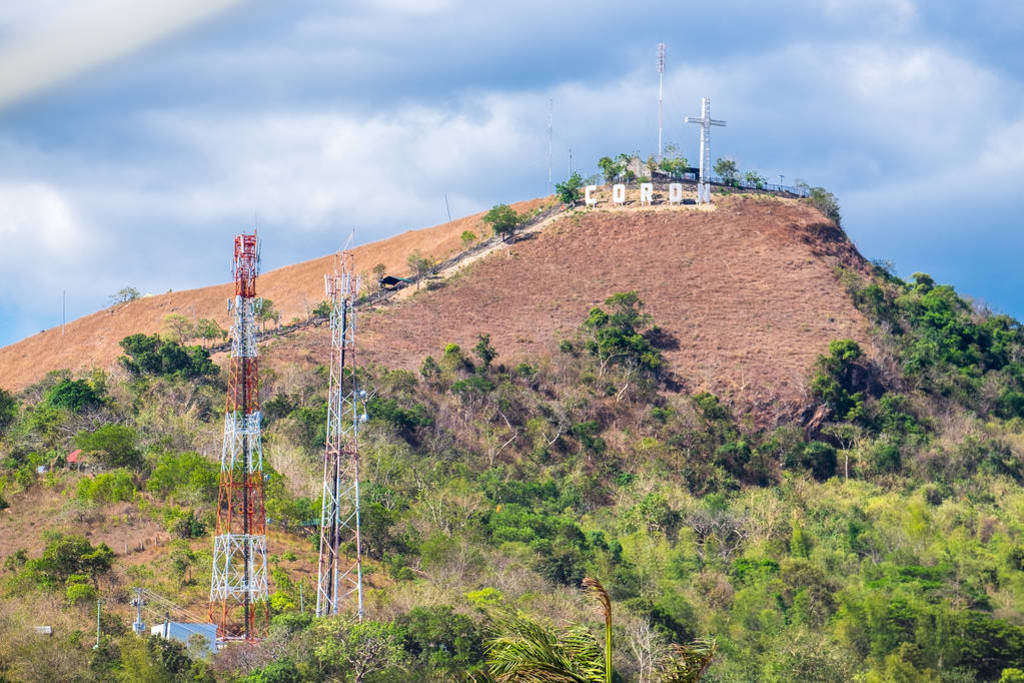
[(705, 122), (238, 586), (341, 554)]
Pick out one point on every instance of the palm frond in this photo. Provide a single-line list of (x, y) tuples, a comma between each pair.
[(687, 663), (530, 651)]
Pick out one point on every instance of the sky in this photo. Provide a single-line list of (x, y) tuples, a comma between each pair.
[(137, 138)]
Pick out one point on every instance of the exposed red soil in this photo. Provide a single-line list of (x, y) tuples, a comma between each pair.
[(92, 341), (748, 291)]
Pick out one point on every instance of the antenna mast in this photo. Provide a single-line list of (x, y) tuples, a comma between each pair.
[(238, 587), (661, 74), (551, 119), (338, 577)]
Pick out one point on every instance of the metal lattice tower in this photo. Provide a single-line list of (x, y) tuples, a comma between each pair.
[(661, 74), (705, 121), (238, 587), (339, 577)]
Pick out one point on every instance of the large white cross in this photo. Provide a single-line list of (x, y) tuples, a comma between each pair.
[(705, 121)]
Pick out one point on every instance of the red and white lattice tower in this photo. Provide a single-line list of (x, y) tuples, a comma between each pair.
[(340, 576), (238, 588)]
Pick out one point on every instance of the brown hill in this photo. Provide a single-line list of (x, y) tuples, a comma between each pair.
[(92, 341), (748, 291), (746, 288)]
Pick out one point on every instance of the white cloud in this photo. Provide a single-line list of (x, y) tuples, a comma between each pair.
[(44, 240)]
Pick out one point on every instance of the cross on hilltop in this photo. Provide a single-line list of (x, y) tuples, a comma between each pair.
[(705, 121)]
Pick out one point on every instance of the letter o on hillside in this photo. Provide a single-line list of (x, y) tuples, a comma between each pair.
[(619, 193), (675, 193), (590, 200)]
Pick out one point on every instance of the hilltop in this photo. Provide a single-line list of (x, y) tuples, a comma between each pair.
[(92, 341), (747, 292)]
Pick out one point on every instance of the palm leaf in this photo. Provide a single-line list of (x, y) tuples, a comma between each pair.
[(688, 663), (530, 651)]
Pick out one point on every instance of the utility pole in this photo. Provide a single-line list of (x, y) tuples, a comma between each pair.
[(447, 208), (98, 603), (139, 626), (551, 118), (661, 74)]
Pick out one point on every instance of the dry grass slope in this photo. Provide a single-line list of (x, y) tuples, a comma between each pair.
[(748, 291), (92, 341)]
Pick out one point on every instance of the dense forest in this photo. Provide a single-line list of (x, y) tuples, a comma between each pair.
[(876, 536)]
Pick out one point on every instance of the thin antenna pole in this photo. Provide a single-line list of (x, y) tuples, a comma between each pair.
[(570, 162), (447, 207), (98, 603), (551, 120), (661, 74)]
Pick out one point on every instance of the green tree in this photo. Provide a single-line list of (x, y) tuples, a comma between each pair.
[(826, 202), (208, 330), (67, 555), (835, 379), (438, 638), (467, 237), (569, 191), (754, 178), (615, 337), (378, 273), (265, 312), (153, 355), (485, 351), (185, 477), (124, 295), (503, 219), (74, 395), (726, 170), (106, 488), (610, 169), (420, 265), (347, 649), (673, 163), (178, 328), (113, 445), (8, 410)]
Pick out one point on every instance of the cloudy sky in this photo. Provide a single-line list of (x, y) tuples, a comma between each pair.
[(137, 138)]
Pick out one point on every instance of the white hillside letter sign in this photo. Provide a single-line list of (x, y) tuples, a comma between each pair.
[(587, 198), (675, 193), (619, 193), (646, 193)]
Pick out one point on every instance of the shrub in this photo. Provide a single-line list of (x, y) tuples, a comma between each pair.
[(8, 410), (438, 638), (569, 191), (74, 395), (187, 477), (106, 488), (835, 382), (826, 202), (113, 445), (503, 219), (156, 356), (67, 555)]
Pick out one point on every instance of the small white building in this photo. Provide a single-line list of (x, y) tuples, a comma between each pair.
[(183, 631)]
